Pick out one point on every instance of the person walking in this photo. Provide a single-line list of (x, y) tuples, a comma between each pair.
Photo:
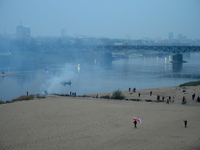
[(198, 99), (150, 93), (193, 96), (163, 98), (135, 123), (167, 101), (185, 122), (169, 98), (27, 93), (139, 94)]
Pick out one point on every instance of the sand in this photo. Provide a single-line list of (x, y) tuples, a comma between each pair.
[(175, 92), (87, 123), (2, 75)]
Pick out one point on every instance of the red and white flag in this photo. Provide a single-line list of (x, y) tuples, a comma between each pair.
[(139, 120)]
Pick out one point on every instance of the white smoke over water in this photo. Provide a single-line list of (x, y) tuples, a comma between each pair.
[(53, 85)]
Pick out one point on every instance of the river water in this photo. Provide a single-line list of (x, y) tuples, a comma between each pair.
[(93, 74)]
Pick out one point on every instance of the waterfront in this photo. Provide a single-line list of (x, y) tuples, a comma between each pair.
[(96, 74)]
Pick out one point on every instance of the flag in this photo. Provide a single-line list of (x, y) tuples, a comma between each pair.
[(139, 120)]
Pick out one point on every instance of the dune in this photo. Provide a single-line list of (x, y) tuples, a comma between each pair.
[(86, 123)]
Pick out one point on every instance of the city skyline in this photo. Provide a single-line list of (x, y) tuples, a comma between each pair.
[(24, 32), (108, 19)]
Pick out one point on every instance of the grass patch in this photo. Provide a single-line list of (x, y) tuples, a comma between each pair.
[(135, 99), (105, 97), (148, 100), (2, 102), (23, 97), (40, 96), (193, 83), (85, 95), (61, 94), (118, 95)]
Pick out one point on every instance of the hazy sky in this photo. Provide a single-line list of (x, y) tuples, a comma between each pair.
[(103, 18)]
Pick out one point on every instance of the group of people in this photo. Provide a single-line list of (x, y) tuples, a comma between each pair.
[(134, 89), (73, 94), (169, 99), (163, 99)]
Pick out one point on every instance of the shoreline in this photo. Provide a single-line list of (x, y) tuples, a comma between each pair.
[(2, 75), (175, 92)]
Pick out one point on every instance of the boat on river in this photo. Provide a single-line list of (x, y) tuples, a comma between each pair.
[(64, 83)]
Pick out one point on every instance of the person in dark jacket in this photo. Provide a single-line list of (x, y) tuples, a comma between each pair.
[(135, 123), (185, 122)]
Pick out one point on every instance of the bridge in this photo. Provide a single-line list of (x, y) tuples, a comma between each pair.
[(176, 50), (168, 49)]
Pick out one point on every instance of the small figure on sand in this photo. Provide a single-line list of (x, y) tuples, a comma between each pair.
[(135, 123), (198, 99), (158, 97), (184, 100), (185, 122), (193, 96), (134, 89), (27, 93), (169, 98), (150, 93), (173, 99), (167, 101), (139, 94), (163, 98)]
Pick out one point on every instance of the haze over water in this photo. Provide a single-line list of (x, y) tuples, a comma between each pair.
[(96, 74)]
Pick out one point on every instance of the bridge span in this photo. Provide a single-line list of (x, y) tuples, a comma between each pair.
[(177, 51), (168, 49)]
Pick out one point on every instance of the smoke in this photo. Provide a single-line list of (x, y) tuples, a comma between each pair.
[(53, 85)]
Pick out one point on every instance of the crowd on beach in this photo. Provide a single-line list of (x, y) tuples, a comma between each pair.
[(168, 99)]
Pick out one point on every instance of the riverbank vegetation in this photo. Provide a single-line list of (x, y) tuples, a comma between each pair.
[(22, 98), (192, 83), (118, 95)]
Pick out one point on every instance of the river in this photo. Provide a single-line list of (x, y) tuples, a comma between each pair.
[(97, 73)]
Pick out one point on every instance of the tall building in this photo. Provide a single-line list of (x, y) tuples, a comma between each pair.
[(171, 35), (63, 32), (23, 32)]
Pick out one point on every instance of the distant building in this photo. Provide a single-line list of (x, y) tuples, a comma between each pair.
[(63, 32), (23, 32), (180, 36), (171, 35)]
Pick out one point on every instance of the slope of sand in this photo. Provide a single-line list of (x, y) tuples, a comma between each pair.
[(174, 91), (86, 123)]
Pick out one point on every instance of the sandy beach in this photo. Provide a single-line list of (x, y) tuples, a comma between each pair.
[(88, 123)]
